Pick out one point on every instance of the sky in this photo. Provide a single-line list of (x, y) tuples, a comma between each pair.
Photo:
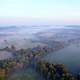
[(39, 11)]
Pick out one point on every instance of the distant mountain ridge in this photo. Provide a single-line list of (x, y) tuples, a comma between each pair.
[(73, 26), (8, 27)]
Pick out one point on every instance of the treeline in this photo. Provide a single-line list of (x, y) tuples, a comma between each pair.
[(55, 71), (23, 58)]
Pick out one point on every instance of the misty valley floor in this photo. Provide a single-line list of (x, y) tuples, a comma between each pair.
[(21, 52)]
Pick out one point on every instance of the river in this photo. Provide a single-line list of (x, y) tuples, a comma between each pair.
[(69, 56)]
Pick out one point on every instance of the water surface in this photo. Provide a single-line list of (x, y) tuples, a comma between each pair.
[(69, 56)]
